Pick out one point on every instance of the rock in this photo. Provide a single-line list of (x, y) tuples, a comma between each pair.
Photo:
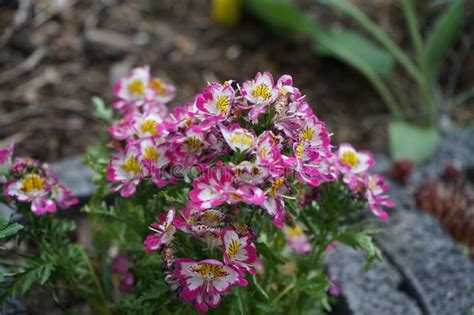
[(108, 44), (14, 307), (75, 175), (438, 271), (373, 293), (11, 307), (456, 148)]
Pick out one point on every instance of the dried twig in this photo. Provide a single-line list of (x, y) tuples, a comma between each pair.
[(27, 65), (21, 17)]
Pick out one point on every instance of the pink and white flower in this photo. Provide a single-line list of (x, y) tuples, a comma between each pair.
[(215, 102), (376, 189), (61, 195), (238, 139), (6, 155), (268, 153), (164, 232), (352, 161), (146, 125), (314, 133), (188, 147), (163, 93), (261, 90), (133, 89), (204, 282), (249, 173), (312, 166), (139, 89), (6, 161), (274, 203), (297, 239), (285, 85), (213, 188), (238, 251), (126, 170), (205, 225), (122, 129), (32, 188)]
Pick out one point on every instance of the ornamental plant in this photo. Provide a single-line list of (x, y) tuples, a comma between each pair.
[(227, 203)]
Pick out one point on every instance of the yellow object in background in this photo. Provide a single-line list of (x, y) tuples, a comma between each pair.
[(226, 12)]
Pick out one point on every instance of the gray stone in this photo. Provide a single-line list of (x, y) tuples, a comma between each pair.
[(373, 293), (439, 272), (75, 175), (456, 147), (14, 307)]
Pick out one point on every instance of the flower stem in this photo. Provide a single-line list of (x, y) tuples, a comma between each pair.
[(96, 280), (283, 293)]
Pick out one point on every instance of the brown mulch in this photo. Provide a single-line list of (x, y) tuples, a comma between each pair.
[(54, 59)]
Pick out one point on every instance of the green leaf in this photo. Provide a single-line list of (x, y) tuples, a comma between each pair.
[(281, 16), (254, 283), (154, 293), (349, 47), (46, 272), (377, 33), (339, 50), (412, 142), (8, 230), (102, 112), (269, 254), (242, 301), (3, 222), (442, 36), (361, 48), (362, 240)]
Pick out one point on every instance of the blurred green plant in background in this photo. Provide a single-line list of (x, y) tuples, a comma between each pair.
[(414, 129)]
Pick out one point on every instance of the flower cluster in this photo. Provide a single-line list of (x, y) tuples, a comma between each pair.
[(244, 148), (354, 166), (30, 181)]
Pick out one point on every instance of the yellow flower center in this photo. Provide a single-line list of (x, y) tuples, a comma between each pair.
[(306, 134), (151, 154), (233, 249), (194, 143), (136, 87), (222, 104), (235, 197), (244, 139), (275, 139), (275, 186), (188, 122), (149, 126), (158, 86), (261, 91), (371, 183), (263, 153), (131, 165), (295, 231), (32, 182), (299, 150), (206, 270), (211, 217), (349, 158)]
